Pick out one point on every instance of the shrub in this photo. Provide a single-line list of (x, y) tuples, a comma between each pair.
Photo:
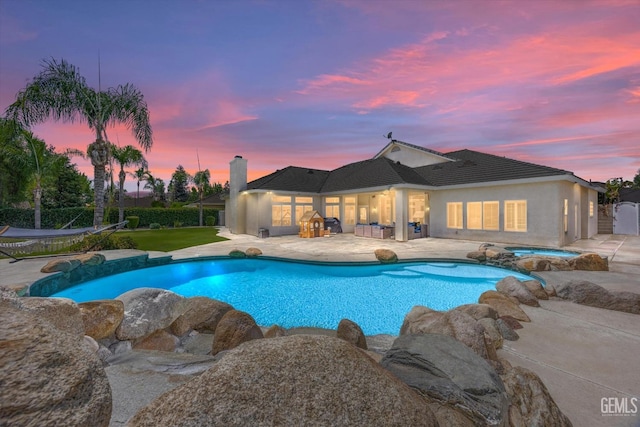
[(157, 204), (177, 224), (154, 226), (210, 220), (133, 222), (97, 242)]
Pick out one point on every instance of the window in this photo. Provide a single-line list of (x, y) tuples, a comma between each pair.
[(474, 215), (591, 209), (491, 215), (454, 215), (515, 215), (385, 209), (565, 217), (303, 204), (332, 207), (349, 210), (362, 217), (416, 207), (280, 211)]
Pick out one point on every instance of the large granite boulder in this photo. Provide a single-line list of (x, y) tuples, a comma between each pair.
[(159, 341), (48, 376), (91, 258), (510, 286), (386, 256), (503, 305), (147, 310), (290, 381), (201, 314), (253, 252), (506, 329), (477, 255), (237, 253), (101, 318), (589, 262), (418, 319), (462, 327), (275, 331), (536, 288), (478, 311), (497, 253), (351, 332), (542, 263), (530, 401), (233, 329), (587, 293), (447, 372), (63, 265), (62, 313), (9, 298), (492, 330)]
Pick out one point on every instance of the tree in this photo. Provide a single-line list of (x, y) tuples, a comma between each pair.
[(201, 180), (613, 187), (140, 174), (32, 156), (156, 185), (636, 180), (126, 156), (178, 186), (68, 188), (14, 180), (59, 92)]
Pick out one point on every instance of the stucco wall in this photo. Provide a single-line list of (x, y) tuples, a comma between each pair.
[(545, 206)]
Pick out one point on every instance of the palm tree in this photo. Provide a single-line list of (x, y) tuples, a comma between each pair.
[(61, 93), (126, 156), (140, 174), (201, 180), (156, 185)]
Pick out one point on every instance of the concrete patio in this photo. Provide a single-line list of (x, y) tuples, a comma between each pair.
[(583, 354)]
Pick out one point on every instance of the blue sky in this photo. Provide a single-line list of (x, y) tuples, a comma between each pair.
[(554, 82)]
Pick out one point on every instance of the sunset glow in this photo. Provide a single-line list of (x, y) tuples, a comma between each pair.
[(555, 83)]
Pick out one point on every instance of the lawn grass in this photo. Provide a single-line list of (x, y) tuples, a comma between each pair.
[(171, 239), (164, 240)]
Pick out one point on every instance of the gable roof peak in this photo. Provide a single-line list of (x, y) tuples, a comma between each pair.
[(397, 143)]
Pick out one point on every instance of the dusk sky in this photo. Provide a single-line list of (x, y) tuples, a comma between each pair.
[(318, 83)]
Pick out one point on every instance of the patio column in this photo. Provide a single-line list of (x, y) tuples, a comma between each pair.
[(402, 215)]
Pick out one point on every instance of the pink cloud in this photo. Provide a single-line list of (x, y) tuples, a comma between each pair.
[(435, 72)]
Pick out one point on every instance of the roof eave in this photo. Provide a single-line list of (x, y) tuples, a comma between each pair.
[(566, 177)]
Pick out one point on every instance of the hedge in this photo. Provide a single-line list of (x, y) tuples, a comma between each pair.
[(56, 218)]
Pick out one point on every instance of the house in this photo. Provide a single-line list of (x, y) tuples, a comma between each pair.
[(462, 194), (213, 201)]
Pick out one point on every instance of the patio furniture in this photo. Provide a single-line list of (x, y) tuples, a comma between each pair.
[(374, 231)]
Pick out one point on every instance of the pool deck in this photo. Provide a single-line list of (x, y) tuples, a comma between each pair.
[(583, 354)]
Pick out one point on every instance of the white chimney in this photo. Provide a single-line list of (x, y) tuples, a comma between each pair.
[(235, 215)]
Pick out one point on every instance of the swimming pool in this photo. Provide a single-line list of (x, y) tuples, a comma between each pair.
[(542, 252), (292, 294)]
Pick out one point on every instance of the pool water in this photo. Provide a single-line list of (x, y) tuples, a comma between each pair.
[(542, 252), (292, 294)]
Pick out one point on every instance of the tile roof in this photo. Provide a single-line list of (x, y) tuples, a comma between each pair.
[(475, 167), (371, 173), (291, 178), (468, 167)]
